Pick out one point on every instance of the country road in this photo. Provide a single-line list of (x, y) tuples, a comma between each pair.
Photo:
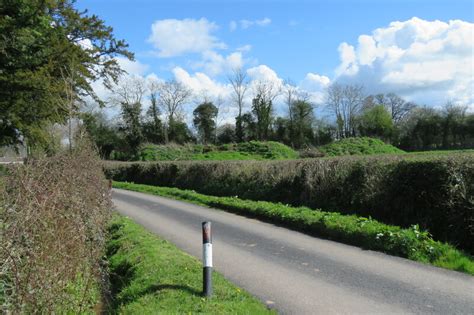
[(299, 274)]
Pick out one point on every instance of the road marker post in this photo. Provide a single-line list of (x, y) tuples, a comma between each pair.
[(207, 259)]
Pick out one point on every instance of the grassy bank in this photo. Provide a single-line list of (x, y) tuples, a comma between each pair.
[(253, 150), (150, 275), (411, 243), (359, 146)]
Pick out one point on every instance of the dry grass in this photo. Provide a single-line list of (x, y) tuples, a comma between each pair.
[(53, 213)]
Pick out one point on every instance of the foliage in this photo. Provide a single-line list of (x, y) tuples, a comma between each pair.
[(252, 150), (430, 129), (412, 242), (105, 137), (204, 121), (53, 214), (376, 122), (433, 191), (150, 275), (358, 146), (43, 46)]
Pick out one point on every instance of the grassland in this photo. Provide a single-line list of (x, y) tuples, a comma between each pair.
[(411, 243), (149, 276)]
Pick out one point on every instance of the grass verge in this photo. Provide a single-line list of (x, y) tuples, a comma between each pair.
[(150, 275), (411, 243)]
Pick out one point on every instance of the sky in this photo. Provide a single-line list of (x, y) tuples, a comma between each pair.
[(422, 50)]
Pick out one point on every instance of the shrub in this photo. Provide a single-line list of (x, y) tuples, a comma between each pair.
[(358, 146), (434, 192), (53, 214)]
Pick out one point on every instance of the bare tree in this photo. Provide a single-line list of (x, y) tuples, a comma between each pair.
[(345, 101), (239, 82), (172, 96)]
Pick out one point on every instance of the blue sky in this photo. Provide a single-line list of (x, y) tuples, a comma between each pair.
[(295, 38)]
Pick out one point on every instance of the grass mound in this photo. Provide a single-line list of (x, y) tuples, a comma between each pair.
[(412, 243), (253, 150), (149, 276), (358, 146)]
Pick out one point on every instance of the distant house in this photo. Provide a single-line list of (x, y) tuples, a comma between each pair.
[(11, 154)]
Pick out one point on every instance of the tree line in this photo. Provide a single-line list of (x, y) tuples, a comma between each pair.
[(385, 116)]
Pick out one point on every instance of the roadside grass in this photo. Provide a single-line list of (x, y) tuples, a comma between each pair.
[(411, 243), (149, 275)]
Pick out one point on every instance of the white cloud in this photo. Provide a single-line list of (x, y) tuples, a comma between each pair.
[(264, 73), (214, 64), (176, 37), (424, 61), (132, 67), (200, 83)]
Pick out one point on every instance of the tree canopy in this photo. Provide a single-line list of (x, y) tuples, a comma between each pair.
[(44, 45)]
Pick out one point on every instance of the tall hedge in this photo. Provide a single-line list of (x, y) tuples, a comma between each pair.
[(434, 192)]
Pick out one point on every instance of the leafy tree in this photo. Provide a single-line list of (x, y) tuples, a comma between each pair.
[(249, 127), (302, 117), (39, 42), (106, 137), (282, 130), (262, 109), (376, 122), (204, 121), (226, 134), (131, 126), (180, 133)]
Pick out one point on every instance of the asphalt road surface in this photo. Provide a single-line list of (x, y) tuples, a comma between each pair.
[(298, 274)]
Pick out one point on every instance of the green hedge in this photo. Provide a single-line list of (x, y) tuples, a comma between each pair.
[(434, 192)]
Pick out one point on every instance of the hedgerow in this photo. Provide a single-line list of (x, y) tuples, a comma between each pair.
[(53, 215), (435, 192)]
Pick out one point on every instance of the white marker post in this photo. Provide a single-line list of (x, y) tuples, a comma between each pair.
[(207, 259)]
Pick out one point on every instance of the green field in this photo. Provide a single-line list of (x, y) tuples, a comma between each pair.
[(411, 243), (149, 275)]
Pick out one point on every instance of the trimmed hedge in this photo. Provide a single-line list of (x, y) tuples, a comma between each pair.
[(434, 192)]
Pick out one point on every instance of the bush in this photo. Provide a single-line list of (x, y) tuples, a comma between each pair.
[(53, 214), (358, 146), (434, 192)]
